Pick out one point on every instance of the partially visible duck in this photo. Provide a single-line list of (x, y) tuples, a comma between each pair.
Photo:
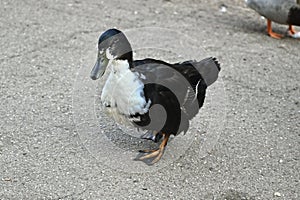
[(280, 11)]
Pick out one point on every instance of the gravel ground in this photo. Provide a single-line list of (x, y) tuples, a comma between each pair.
[(46, 44)]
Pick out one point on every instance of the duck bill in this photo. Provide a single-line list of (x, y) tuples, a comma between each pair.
[(99, 68)]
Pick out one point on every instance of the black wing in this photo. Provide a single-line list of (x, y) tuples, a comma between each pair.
[(179, 88)]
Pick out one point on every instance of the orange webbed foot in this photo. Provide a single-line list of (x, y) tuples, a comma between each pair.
[(270, 31), (157, 153), (275, 35)]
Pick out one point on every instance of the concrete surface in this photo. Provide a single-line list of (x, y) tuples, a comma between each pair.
[(45, 43)]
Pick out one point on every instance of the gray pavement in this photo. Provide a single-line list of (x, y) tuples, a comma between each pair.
[(45, 44)]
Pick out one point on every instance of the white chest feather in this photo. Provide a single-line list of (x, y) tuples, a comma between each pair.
[(124, 90)]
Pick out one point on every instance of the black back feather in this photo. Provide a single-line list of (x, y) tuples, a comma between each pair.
[(294, 16), (185, 79)]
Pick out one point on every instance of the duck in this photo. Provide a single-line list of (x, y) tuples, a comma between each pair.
[(280, 11), (136, 87)]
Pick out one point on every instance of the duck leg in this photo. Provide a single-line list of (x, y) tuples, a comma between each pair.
[(293, 33), (291, 30), (270, 31), (157, 153), (152, 135)]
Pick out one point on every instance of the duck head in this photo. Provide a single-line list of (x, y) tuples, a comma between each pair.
[(112, 45)]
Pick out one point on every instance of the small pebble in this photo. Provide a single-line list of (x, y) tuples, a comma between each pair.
[(223, 8), (277, 194)]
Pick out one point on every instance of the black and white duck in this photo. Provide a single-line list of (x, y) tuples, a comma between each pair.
[(133, 87)]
